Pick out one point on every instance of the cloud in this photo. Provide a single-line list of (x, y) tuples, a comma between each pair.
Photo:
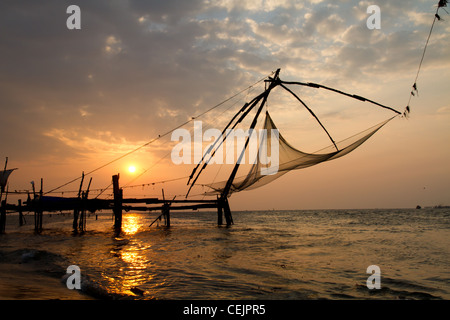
[(256, 5), (91, 142), (84, 111), (113, 46), (444, 110), (139, 68)]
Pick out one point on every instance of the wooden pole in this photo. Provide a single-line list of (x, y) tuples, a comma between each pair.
[(38, 211), (3, 217), (3, 212), (76, 211), (118, 196), (159, 217), (84, 197), (35, 205), (34, 189), (2, 187), (81, 222), (166, 213), (37, 214), (41, 212), (219, 212), (227, 211), (20, 213), (227, 188), (263, 96)]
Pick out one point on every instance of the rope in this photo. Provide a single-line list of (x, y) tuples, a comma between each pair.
[(157, 138), (167, 154), (153, 183), (414, 91)]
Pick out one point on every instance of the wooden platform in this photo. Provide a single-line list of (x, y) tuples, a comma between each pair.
[(82, 204)]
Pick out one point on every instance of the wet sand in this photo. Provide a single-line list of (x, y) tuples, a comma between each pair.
[(20, 282)]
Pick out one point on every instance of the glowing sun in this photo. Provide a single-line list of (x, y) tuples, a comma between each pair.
[(131, 169)]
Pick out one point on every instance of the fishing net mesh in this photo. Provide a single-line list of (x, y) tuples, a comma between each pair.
[(265, 169)]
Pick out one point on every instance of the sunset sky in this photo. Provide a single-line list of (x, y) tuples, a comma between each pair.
[(74, 100)]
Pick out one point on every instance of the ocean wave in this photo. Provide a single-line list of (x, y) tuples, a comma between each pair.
[(398, 289), (93, 289), (300, 255), (26, 255)]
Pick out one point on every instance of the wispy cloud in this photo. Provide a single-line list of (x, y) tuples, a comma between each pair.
[(139, 68)]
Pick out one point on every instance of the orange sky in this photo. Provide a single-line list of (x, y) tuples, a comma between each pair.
[(74, 100)]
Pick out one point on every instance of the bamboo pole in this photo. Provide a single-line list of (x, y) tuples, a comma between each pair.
[(264, 96), (219, 213), (118, 196), (20, 212), (3, 217), (38, 210), (84, 197), (76, 210), (41, 211)]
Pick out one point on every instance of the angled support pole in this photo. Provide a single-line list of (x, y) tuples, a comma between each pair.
[(274, 82), (225, 192), (311, 112)]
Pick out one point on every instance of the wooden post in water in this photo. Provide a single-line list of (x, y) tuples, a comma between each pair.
[(3, 217), (165, 210), (84, 197), (227, 211), (3, 206), (38, 211), (166, 213), (76, 211), (41, 211), (118, 196), (35, 205), (20, 213), (82, 220), (219, 212)]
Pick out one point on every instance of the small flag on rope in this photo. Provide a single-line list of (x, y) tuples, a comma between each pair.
[(406, 112), (415, 91)]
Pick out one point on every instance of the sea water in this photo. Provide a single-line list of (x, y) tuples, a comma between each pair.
[(315, 254)]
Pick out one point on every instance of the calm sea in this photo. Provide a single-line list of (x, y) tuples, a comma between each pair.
[(320, 254)]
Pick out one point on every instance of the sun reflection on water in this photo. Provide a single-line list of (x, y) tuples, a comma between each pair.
[(130, 224), (134, 266)]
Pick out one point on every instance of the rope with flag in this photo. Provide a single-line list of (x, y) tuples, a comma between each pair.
[(414, 91)]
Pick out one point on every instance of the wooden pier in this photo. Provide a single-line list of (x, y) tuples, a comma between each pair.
[(81, 204)]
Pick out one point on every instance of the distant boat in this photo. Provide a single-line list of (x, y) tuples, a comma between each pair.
[(418, 207)]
